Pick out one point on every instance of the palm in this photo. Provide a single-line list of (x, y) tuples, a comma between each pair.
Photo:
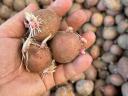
[(14, 79)]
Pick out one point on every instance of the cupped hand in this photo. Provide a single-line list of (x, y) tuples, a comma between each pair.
[(14, 79)]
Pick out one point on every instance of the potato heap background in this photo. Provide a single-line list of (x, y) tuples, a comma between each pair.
[(108, 75)]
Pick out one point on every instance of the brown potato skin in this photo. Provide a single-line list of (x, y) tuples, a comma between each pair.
[(50, 23), (38, 58), (65, 46)]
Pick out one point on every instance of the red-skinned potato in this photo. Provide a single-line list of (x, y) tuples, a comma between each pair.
[(65, 46)]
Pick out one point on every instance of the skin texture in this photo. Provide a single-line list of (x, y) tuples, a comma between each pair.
[(14, 79)]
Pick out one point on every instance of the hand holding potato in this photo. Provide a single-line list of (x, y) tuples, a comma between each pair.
[(14, 79)]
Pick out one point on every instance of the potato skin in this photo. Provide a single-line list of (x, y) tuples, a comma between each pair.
[(50, 23), (65, 46), (38, 58)]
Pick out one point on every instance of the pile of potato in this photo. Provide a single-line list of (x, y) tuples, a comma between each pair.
[(108, 74)]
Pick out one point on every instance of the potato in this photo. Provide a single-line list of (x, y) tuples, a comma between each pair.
[(97, 19), (19, 5), (114, 5), (65, 91), (38, 58), (109, 90), (84, 87), (91, 73), (95, 51), (90, 3), (45, 2), (50, 23), (31, 1), (122, 67), (1, 21), (65, 46), (4, 11), (124, 89), (109, 33), (115, 79), (13, 13), (109, 21), (75, 7), (9, 3), (89, 27)]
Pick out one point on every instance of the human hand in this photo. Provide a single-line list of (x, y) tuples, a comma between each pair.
[(14, 79)]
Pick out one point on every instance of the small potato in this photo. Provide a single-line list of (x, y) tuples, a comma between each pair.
[(89, 27), (97, 19), (109, 33), (13, 13), (108, 57), (45, 2), (119, 18), (5, 12), (109, 20), (95, 51), (101, 6), (84, 87), (31, 1), (19, 5), (124, 89), (90, 3), (115, 79), (91, 73), (99, 83), (65, 46), (109, 90), (75, 7), (1, 21), (79, 1), (9, 3), (65, 91), (122, 67), (38, 58), (50, 23), (114, 5)]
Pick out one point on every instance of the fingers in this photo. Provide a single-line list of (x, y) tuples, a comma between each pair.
[(14, 27), (90, 37), (48, 81), (61, 6), (77, 19), (65, 72)]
